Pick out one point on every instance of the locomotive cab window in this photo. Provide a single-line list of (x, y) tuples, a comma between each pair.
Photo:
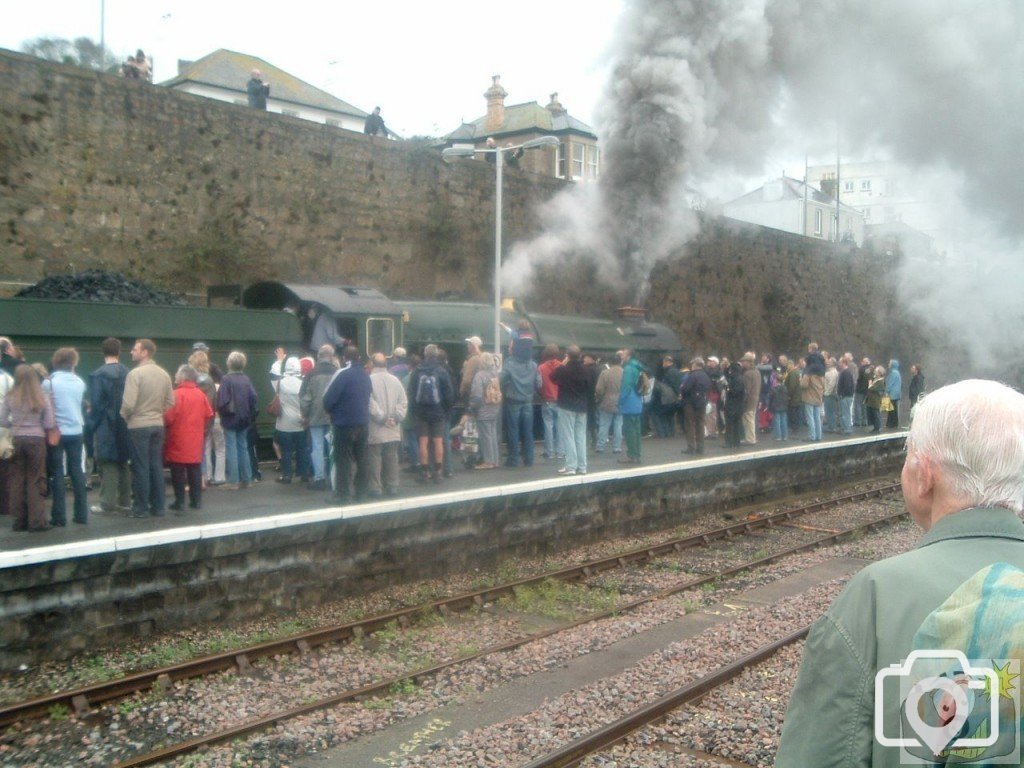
[(380, 335)]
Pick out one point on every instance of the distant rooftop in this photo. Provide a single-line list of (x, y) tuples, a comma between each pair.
[(786, 188), (231, 70)]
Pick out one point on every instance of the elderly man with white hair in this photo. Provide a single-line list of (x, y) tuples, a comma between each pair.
[(960, 590)]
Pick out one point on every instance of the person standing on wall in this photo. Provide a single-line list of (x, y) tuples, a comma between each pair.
[(375, 124), (257, 91)]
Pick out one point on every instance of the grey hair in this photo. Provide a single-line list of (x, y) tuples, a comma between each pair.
[(186, 373), (430, 350), (237, 361), (326, 352), (974, 430)]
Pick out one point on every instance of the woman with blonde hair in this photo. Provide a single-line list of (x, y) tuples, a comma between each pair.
[(214, 448), (28, 412)]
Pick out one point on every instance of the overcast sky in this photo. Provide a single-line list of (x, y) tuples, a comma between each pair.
[(425, 64)]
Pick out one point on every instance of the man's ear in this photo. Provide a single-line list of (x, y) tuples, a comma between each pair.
[(923, 478)]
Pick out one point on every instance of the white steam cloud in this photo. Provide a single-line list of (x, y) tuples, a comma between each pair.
[(703, 90)]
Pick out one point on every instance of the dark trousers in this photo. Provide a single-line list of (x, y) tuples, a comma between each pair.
[(693, 420), (294, 453), (733, 429), (519, 433), (193, 474), (69, 449), (874, 419), (146, 448), (892, 420), (349, 452), (26, 483)]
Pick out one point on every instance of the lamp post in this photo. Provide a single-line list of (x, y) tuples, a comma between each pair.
[(452, 153)]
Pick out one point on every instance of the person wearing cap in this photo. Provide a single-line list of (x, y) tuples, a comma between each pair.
[(257, 91), (470, 367), (751, 397)]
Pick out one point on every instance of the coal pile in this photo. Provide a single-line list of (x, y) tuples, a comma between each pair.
[(97, 285)]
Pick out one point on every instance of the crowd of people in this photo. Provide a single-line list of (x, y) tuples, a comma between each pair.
[(344, 425)]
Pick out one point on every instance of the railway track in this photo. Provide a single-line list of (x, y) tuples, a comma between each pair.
[(597, 741), (383, 687), (81, 700)]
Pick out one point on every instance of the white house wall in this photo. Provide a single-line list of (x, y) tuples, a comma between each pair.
[(348, 122)]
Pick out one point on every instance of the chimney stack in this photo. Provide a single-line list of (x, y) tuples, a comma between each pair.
[(555, 106), (495, 96)]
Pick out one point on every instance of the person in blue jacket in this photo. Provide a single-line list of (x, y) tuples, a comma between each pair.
[(893, 388)]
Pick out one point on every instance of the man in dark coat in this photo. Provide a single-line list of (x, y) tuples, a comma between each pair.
[(574, 383), (109, 431), (375, 124), (257, 91), (347, 400), (695, 401)]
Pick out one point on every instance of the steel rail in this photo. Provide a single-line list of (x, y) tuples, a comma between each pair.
[(83, 698), (385, 686), (574, 752)]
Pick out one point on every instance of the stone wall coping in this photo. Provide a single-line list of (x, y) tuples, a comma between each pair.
[(36, 555)]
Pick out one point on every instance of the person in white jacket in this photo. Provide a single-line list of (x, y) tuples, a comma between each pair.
[(289, 430), (388, 406)]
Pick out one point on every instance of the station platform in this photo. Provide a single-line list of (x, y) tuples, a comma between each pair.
[(270, 504), (276, 548)]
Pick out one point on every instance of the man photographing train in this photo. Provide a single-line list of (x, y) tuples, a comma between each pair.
[(919, 659)]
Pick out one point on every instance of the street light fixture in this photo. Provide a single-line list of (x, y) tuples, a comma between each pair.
[(453, 153)]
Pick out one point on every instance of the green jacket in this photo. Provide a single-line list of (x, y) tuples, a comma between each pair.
[(874, 624)]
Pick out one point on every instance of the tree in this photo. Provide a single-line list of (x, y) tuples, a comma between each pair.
[(80, 52)]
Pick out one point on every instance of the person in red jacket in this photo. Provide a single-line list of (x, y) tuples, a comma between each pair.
[(186, 424)]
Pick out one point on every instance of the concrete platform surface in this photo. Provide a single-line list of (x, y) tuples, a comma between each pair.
[(268, 505)]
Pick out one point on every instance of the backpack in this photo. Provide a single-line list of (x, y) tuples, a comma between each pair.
[(427, 390), (643, 384), (492, 393)]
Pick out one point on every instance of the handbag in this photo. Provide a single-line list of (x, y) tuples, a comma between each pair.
[(6, 444), (274, 408), (886, 404)]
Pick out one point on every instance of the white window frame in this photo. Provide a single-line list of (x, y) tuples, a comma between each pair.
[(368, 336), (817, 221), (560, 160), (593, 169), (578, 156)]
